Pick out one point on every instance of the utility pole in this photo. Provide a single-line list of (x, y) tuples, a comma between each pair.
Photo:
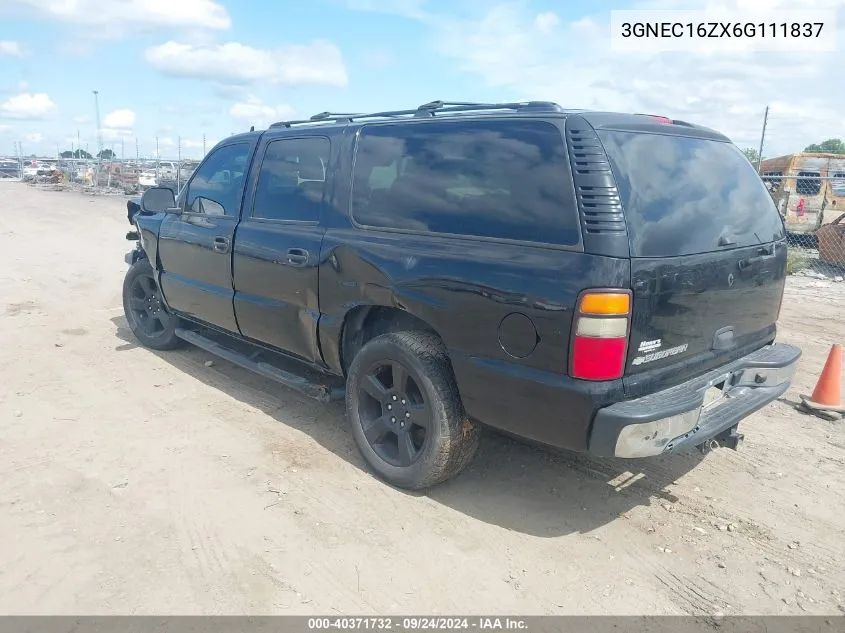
[(157, 160), (97, 113), (178, 167), (78, 144), (122, 149), (203, 144), (137, 150), (99, 139), (762, 140), (19, 152)]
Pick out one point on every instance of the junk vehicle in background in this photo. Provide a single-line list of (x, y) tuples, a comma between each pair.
[(809, 188), (10, 168), (565, 276), (809, 191)]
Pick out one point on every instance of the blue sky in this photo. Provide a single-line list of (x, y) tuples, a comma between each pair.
[(186, 68)]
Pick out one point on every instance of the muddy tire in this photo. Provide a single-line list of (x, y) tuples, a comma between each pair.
[(405, 411)]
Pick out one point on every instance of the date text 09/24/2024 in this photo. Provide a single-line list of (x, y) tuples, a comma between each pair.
[(417, 623)]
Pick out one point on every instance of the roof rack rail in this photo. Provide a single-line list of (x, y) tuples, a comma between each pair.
[(429, 109), (337, 116)]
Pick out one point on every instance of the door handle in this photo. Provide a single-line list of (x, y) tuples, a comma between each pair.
[(297, 257), (221, 244), (762, 254)]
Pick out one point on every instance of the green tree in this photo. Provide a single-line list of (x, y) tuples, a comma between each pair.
[(830, 146), (752, 155), (79, 153), (106, 154)]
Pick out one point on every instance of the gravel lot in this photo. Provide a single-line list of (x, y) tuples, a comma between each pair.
[(140, 482)]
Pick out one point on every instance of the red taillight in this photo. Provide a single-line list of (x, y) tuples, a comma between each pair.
[(600, 335), (662, 119)]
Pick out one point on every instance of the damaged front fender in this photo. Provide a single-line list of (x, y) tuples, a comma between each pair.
[(134, 255), (146, 232)]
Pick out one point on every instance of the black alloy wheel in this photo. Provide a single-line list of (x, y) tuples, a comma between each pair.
[(146, 306), (145, 309), (395, 417)]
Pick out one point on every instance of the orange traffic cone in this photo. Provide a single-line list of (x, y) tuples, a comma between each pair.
[(826, 400)]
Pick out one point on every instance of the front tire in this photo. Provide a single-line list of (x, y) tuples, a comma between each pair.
[(145, 311), (405, 411)]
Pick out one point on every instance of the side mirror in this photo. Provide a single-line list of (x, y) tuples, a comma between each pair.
[(158, 200)]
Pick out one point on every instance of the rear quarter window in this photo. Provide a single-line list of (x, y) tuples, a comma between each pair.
[(505, 179), (683, 195)]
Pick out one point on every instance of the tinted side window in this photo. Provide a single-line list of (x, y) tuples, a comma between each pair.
[(216, 186), (501, 179), (292, 180)]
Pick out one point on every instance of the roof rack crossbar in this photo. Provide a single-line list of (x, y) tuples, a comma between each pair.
[(427, 110)]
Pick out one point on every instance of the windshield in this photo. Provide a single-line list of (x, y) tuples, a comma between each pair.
[(686, 195)]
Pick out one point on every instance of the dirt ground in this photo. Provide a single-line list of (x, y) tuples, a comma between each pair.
[(139, 482)]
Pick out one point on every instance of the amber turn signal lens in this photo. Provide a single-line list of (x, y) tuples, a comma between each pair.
[(605, 303)]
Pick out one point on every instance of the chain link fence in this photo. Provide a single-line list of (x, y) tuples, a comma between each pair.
[(812, 203), (98, 177), (115, 170)]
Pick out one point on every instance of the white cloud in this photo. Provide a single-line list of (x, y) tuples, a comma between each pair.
[(122, 14), (82, 118), (295, 64), (33, 137), (28, 106), (115, 135), (546, 22), (254, 111), (9, 48), (122, 119), (519, 53)]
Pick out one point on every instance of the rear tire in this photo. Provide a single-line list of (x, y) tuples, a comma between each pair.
[(405, 411), (145, 311)]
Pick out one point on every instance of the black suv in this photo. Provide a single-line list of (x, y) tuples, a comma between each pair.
[(606, 283)]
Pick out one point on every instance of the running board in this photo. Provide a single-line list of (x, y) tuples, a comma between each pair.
[(312, 388)]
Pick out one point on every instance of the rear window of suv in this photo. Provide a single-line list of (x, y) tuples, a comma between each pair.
[(504, 179), (682, 195)]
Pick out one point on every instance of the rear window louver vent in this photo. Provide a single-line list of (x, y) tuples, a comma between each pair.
[(595, 189)]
